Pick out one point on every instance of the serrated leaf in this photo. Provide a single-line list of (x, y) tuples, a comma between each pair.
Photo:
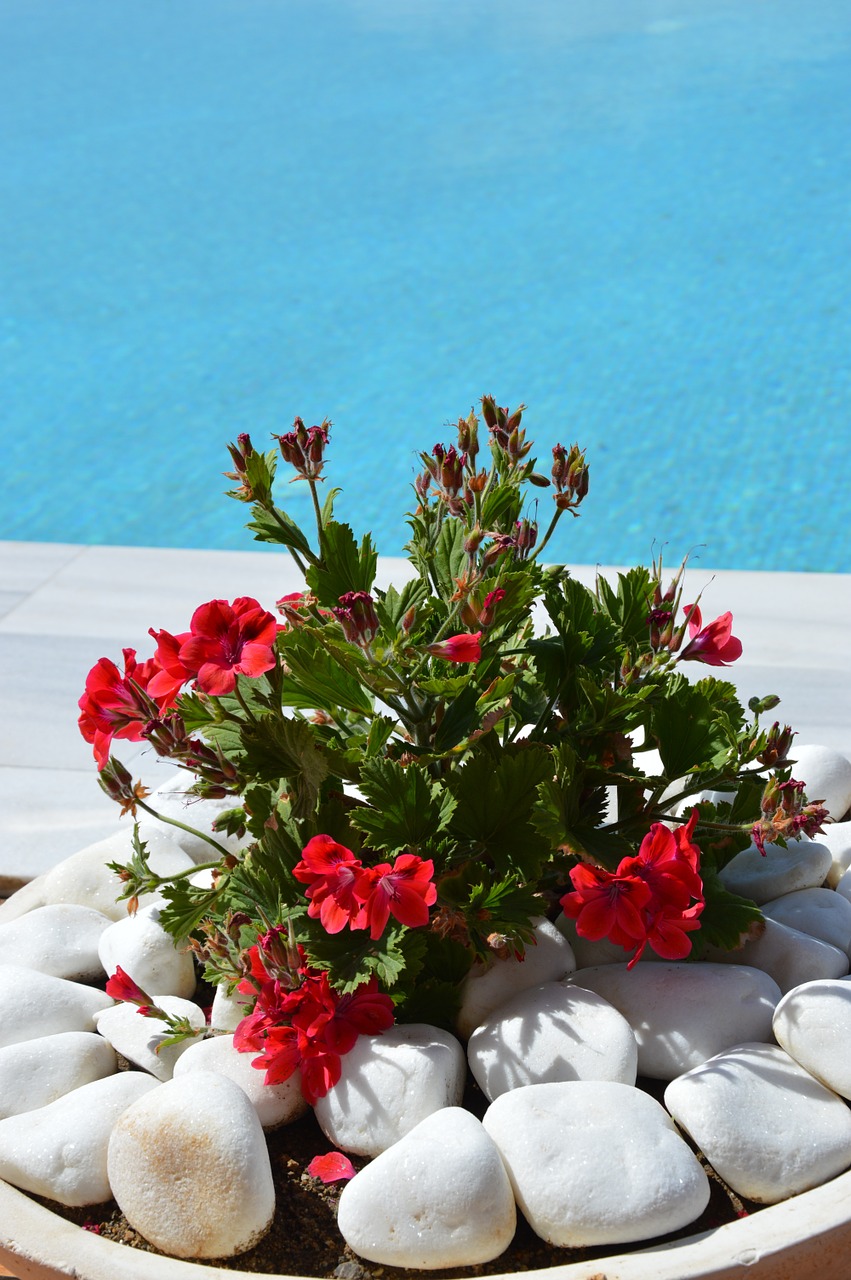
[(186, 905), (686, 729), (344, 567), (495, 797), (628, 605), (351, 957), (318, 679), (328, 506), (408, 809), (727, 920), (449, 556), (279, 748), (278, 528)]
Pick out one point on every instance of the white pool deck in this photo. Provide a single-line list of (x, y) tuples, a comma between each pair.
[(64, 606)]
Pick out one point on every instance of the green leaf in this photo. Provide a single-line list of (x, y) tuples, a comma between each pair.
[(318, 679), (685, 727), (343, 568), (392, 605), (280, 748), (459, 720), (351, 957), (328, 506), (450, 556), (495, 795), (628, 605), (408, 809), (727, 920), (278, 528), (187, 905)]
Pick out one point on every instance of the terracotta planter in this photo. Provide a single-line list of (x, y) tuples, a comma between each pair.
[(808, 1235)]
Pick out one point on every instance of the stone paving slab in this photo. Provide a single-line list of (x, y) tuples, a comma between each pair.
[(63, 606)]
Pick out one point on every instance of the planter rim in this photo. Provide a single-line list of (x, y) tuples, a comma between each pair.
[(772, 1243)]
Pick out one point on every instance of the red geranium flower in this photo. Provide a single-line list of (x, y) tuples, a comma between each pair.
[(115, 705), (226, 641), (404, 891), (122, 987), (606, 905), (336, 880), (466, 647), (168, 680), (713, 644)]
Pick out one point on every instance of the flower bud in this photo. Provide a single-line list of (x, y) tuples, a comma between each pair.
[(356, 614)]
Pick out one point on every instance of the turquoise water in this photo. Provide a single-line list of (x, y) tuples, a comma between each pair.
[(635, 217)]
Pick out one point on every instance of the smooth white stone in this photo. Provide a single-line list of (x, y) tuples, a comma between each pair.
[(228, 1010), (682, 1014), (275, 1104), (29, 896), (786, 955), (439, 1198), (139, 1039), (837, 837), (803, 864), (85, 879), (813, 1024), (59, 940), (37, 1072), (142, 948), (189, 1167), (764, 1123), (821, 913), (171, 800), (844, 884), (595, 1163), (486, 987), (557, 1031), (34, 1004), (390, 1083), (826, 775), (59, 1151)]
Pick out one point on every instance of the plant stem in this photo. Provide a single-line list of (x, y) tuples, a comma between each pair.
[(175, 822)]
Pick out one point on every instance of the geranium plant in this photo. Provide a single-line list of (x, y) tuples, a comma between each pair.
[(417, 774)]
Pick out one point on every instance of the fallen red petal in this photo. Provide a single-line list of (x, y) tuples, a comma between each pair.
[(332, 1167)]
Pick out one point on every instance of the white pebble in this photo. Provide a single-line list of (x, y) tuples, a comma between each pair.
[(60, 940), (27, 898), (275, 1104), (189, 1167), (439, 1198), (786, 955), (34, 1004), (548, 959), (821, 913), (59, 1151), (140, 1039), (837, 837), (141, 947), (813, 1024), (37, 1072), (596, 1163), (803, 864), (228, 1010), (826, 775), (682, 1014), (85, 878), (764, 1123), (552, 1032), (391, 1082)]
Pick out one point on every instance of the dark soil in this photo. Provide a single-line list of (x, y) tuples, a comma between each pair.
[(304, 1241)]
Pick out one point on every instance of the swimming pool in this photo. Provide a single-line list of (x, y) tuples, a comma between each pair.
[(633, 215)]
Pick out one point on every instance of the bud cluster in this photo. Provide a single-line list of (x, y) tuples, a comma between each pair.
[(786, 813), (505, 429), (570, 477), (356, 615), (304, 448)]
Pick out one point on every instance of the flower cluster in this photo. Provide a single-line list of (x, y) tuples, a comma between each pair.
[(342, 891), (654, 898), (305, 1025), (411, 774)]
